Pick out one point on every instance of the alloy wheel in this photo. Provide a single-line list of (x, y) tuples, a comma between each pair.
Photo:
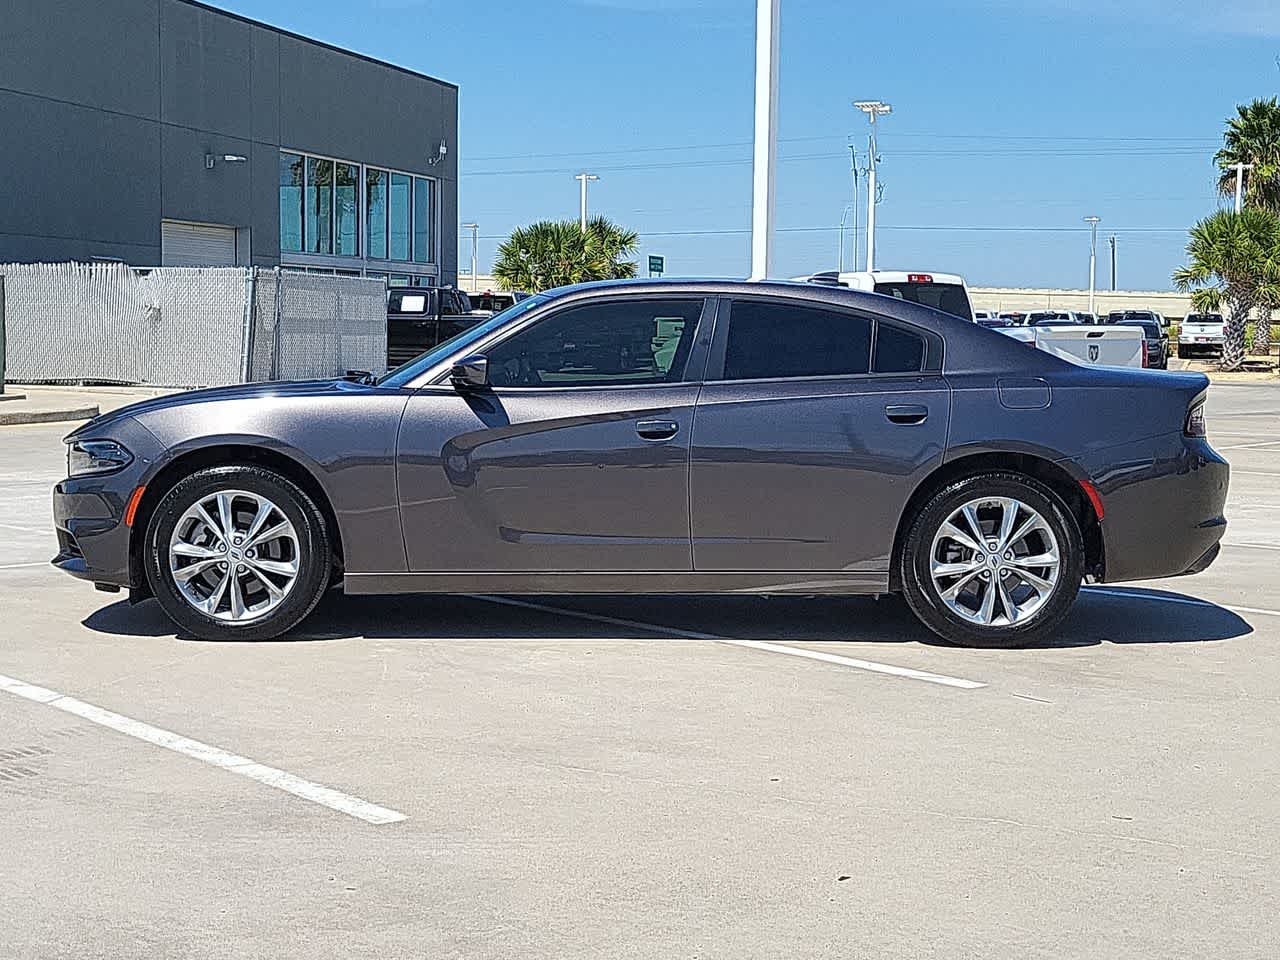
[(995, 561), (234, 555)]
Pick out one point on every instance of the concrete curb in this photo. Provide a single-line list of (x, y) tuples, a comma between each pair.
[(19, 417)]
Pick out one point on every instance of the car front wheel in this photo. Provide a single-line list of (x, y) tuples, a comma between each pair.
[(237, 553), (992, 560)]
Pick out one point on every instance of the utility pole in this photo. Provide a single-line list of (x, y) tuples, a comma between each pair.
[(1113, 261), (1093, 255), (873, 109), (1240, 168), (765, 153), (475, 242), (583, 179)]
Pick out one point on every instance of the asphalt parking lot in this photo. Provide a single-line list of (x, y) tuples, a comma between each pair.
[(622, 777)]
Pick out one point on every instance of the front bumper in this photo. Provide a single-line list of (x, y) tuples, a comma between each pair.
[(88, 513)]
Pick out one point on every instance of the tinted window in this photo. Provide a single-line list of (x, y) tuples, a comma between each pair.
[(618, 342), (782, 340), (947, 297), (404, 301), (1150, 329), (897, 351)]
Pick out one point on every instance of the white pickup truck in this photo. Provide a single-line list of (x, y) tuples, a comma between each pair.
[(1090, 346)]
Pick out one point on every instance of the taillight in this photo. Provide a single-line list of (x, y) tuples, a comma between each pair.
[(1145, 355), (1194, 427)]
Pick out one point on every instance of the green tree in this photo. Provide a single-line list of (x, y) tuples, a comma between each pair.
[(553, 253), (1233, 260), (1252, 136)]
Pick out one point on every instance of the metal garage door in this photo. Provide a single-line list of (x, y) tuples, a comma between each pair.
[(196, 245)]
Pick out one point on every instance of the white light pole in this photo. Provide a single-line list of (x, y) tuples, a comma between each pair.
[(475, 242), (765, 155), (873, 109), (1093, 254), (1240, 168), (848, 209), (583, 179)]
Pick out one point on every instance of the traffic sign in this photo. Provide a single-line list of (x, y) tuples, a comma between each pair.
[(655, 266)]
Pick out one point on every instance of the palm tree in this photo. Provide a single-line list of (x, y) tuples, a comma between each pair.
[(1253, 137), (1233, 260), (553, 253)]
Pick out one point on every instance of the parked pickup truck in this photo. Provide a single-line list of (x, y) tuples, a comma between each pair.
[(418, 318), (1091, 346), (1200, 335)]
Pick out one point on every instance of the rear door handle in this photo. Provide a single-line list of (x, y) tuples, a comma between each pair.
[(657, 429), (906, 413)]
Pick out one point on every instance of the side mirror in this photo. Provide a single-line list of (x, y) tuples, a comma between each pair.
[(470, 373)]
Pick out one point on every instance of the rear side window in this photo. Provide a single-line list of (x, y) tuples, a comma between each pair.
[(778, 339), (897, 351)]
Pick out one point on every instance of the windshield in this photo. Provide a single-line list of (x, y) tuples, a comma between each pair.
[(411, 369), (1042, 318), (947, 297), (1203, 318)]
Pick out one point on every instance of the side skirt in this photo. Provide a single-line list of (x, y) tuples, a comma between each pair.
[(798, 582)]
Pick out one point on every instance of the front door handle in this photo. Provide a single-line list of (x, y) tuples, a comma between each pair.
[(657, 429), (906, 413)]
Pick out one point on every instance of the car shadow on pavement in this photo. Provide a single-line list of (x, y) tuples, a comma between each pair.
[(1119, 615)]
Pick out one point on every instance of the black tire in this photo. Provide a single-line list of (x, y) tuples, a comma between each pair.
[(923, 597), (314, 558)]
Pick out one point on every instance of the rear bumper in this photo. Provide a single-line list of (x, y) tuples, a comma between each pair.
[(1164, 509)]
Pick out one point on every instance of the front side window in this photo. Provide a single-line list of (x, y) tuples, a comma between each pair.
[(346, 210), (779, 339), (401, 213), (615, 343), (291, 179), (423, 221), (319, 206)]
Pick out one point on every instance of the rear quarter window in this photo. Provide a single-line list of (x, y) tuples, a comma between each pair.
[(897, 351)]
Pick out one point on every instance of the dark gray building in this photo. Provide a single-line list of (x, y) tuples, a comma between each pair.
[(169, 132)]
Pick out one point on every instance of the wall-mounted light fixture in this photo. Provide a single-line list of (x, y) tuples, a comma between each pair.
[(441, 152), (210, 159)]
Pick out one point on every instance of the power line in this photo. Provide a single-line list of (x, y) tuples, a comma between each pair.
[(926, 228)]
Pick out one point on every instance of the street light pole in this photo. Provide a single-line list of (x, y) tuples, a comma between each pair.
[(848, 208), (475, 242), (873, 109), (583, 178), (765, 154), (1093, 255), (1240, 168), (1113, 261)]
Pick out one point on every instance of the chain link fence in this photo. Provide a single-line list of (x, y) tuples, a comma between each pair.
[(188, 326)]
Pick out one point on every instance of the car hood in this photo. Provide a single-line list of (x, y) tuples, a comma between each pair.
[(240, 391)]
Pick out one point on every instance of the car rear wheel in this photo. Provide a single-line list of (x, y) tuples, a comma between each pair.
[(992, 560), (237, 553)]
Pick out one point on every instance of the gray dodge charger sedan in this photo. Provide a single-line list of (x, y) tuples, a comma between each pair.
[(660, 437)]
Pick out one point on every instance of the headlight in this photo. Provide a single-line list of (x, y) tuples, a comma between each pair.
[(87, 457), (1195, 421)]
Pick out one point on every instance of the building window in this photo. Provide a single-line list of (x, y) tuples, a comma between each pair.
[(401, 214), (319, 206), (346, 210), (375, 185), (424, 207), (290, 203), (326, 205)]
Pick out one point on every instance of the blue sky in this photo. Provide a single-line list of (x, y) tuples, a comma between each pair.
[(1013, 119)]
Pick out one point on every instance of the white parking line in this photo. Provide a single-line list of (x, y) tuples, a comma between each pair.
[(315, 792), (868, 665), (1242, 446), (22, 566), (1186, 601)]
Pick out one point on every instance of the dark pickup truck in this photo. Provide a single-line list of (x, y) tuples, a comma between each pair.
[(418, 318)]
